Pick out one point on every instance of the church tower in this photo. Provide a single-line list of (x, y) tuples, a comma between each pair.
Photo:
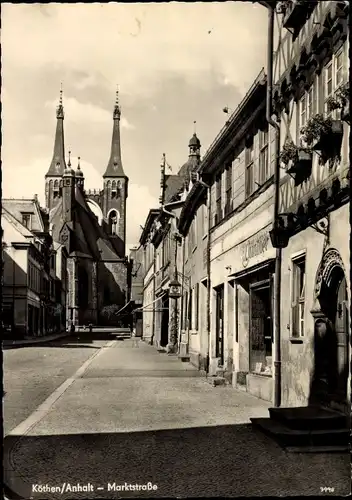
[(53, 177), (115, 183)]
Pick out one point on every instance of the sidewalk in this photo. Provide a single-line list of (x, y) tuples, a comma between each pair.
[(34, 340)]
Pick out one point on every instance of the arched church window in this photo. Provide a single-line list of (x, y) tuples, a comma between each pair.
[(113, 190), (56, 189), (113, 222), (108, 185)]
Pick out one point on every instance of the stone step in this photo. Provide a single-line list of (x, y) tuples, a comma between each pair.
[(184, 358), (292, 439), (216, 381), (309, 417)]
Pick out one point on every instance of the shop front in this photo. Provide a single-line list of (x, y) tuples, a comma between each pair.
[(253, 309)]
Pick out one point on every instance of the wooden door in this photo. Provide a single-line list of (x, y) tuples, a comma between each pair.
[(341, 329), (220, 324)]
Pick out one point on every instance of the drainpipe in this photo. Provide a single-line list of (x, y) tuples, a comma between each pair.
[(278, 258), (153, 325), (182, 291)]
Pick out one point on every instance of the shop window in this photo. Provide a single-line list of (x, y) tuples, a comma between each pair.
[(263, 156), (249, 175), (298, 296), (260, 328)]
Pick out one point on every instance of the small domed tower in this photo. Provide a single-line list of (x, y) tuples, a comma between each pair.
[(193, 159), (79, 175), (68, 190)]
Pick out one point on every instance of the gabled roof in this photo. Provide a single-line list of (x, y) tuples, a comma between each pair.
[(88, 238), (152, 215), (18, 206), (16, 224)]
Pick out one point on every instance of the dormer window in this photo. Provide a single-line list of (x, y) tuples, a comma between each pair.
[(27, 220)]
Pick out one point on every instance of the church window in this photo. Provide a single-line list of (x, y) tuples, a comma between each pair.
[(113, 190), (56, 189), (113, 222)]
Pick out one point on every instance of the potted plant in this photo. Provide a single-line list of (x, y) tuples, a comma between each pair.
[(324, 135), (297, 160), (341, 100)]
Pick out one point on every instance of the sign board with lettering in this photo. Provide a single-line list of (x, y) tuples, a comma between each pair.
[(254, 246)]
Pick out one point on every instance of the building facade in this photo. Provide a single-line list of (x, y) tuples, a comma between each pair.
[(311, 98), (34, 295), (92, 227)]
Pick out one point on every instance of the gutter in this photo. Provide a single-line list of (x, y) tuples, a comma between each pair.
[(278, 257)]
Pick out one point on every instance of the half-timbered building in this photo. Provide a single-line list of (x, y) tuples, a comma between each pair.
[(311, 103)]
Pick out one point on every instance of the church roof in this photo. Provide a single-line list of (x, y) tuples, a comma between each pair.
[(173, 186), (58, 163), (88, 238)]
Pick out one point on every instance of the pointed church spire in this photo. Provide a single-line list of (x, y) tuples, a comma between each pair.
[(58, 163), (114, 168)]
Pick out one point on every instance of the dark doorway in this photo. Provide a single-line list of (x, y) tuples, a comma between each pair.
[(164, 334), (260, 327), (219, 328), (331, 345)]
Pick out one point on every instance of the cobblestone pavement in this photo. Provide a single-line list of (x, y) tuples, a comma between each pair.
[(137, 416)]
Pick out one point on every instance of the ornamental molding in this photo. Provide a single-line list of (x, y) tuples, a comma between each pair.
[(330, 260)]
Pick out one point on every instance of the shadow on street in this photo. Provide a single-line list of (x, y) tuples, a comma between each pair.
[(221, 461), (81, 339)]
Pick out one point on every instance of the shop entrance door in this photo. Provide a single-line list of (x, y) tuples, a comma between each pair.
[(260, 327), (164, 334), (219, 333)]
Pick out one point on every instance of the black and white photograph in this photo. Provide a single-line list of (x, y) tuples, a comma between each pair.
[(175, 249)]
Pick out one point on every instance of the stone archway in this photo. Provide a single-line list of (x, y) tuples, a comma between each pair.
[(331, 332)]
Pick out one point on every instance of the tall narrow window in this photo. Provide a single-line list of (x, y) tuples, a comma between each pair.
[(263, 156), (228, 193), (218, 199), (113, 222), (113, 189), (303, 111), (328, 85), (298, 296), (249, 180)]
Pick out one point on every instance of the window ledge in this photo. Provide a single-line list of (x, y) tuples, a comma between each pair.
[(296, 340), (267, 375)]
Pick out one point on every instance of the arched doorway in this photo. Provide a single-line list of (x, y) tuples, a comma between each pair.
[(331, 342)]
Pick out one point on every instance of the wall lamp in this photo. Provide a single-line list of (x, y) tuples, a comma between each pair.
[(280, 234)]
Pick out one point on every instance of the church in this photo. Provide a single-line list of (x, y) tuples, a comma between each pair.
[(92, 227)]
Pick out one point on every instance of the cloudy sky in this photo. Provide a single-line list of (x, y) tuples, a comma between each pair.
[(174, 63)]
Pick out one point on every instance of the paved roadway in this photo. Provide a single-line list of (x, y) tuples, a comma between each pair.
[(111, 414)]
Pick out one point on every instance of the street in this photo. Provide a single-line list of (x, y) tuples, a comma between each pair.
[(82, 417)]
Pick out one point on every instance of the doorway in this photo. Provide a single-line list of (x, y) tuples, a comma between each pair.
[(164, 333), (219, 327), (331, 343), (260, 327)]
